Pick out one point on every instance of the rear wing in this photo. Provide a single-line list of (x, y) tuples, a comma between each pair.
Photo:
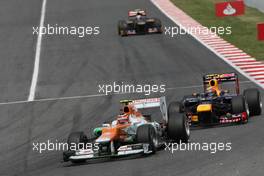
[(221, 78), (133, 13), (153, 103)]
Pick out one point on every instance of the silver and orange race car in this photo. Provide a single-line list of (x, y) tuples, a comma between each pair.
[(131, 132), (221, 102), (139, 23)]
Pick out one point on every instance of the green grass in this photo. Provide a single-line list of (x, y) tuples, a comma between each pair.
[(244, 28)]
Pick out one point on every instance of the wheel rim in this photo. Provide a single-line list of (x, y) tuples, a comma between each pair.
[(154, 139), (260, 102), (247, 109), (187, 127), (112, 147)]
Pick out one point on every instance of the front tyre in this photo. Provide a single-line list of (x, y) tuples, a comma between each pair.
[(122, 28), (178, 126), (76, 139), (147, 134), (239, 105)]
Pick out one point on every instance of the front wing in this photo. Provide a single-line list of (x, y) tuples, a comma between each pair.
[(149, 31), (126, 150), (225, 119)]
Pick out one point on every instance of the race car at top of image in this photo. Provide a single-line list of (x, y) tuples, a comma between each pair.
[(139, 23), (221, 102), (132, 132)]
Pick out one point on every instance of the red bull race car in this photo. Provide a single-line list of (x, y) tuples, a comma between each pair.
[(130, 133), (139, 23), (221, 102)]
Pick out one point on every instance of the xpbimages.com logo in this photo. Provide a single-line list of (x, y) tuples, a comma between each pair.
[(174, 31), (122, 88), (212, 147), (50, 145), (79, 31)]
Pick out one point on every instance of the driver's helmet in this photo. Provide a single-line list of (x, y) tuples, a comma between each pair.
[(213, 88), (124, 116)]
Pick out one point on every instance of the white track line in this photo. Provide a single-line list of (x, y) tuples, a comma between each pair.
[(259, 76), (249, 64), (237, 57), (228, 50), (235, 61), (216, 42), (34, 80), (234, 54), (226, 47)]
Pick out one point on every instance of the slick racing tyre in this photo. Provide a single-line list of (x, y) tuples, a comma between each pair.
[(253, 99), (122, 28), (239, 105), (147, 134), (77, 139), (158, 25), (178, 126)]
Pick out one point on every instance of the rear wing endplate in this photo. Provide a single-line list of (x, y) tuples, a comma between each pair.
[(153, 103)]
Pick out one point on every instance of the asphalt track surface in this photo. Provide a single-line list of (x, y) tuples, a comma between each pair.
[(71, 66)]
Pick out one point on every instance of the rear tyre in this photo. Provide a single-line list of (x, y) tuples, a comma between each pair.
[(158, 25), (253, 99), (122, 28), (177, 106), (178, 126), (147, 134)]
